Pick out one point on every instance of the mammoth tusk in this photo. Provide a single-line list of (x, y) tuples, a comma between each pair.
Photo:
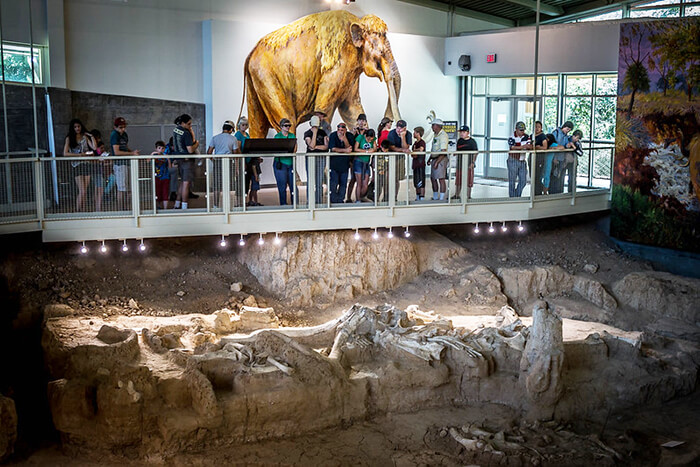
[(393, 100)]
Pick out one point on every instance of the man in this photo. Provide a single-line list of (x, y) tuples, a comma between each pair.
[(566, 168), (562, 138), (324, 125), (119, 142), (400, 141), (465, 143), (517, 161), (340, 142), (540, 142), (438, 162), (184, 144), (360, 128), (223, 143), (316, 141)]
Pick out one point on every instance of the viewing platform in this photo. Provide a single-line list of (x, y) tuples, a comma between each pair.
[(39, 194)]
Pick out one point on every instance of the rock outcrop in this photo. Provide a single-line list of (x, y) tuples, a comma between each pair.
[(349, 267), (525, 285), (153, 387)]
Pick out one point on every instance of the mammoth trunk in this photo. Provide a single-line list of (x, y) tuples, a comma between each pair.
[(392, 78)]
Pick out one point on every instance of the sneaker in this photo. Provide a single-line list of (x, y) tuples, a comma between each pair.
[(194, 195), (348, 200)]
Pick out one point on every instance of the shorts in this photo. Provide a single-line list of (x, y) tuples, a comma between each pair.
[(186, 170), (438, 170), (162, 189), (82, 169), (254, 185), (419, 177), (121, 176), (360, 167)]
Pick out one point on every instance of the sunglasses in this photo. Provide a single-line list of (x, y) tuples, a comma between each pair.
[(342, 126), (287, 125)]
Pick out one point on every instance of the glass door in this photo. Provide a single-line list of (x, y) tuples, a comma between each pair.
[(504, 113)]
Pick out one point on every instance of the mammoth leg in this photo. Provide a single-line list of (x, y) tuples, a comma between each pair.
[(327, 98), (351, 106), (257, 120)]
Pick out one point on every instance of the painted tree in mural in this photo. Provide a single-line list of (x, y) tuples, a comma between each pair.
[(637, 78), (678, 44)]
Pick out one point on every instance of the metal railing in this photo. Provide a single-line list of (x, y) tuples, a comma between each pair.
[(73, 188)]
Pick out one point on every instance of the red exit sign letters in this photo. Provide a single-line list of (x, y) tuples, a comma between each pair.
[(491, 58)]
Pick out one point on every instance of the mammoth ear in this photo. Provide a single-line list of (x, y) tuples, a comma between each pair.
[(356, 35)]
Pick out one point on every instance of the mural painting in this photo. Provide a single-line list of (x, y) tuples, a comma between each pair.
[(315, 63), (656, 184)]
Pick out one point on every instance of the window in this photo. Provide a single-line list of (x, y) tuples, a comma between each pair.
[(18, 65), (646, 9)]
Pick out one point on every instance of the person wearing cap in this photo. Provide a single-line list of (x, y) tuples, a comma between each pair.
[(340, 143), (438, 160), (565, 168), (119, 142), (465, 143), (283, 166), (517, 161), (324, 124), (184, 144), (316, 140), (562, 138), (360, 128), (223, 143)]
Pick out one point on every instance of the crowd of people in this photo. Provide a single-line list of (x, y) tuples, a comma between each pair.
[(357, 172)]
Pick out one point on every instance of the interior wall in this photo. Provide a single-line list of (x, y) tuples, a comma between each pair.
[(563, 48), (153, 48)]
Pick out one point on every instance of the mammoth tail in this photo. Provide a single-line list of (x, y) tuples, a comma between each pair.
[(245, 84)]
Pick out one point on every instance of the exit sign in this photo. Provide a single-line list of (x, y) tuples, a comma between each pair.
[(491, 58)]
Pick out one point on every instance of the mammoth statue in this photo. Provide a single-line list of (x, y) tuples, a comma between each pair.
[(315, 63)]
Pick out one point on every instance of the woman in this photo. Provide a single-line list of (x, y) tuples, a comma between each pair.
[(383, 130), (284, 165), (79, 143), (360, 167), (241, 135)]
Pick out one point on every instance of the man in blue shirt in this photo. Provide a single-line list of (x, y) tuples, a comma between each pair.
[(400, 140), (340, 142)]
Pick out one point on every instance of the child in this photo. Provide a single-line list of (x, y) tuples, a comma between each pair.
[(418, 163), (255, 171), (162, 175)]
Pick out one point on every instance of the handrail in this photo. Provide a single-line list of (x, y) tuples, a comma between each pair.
[(312, 154)]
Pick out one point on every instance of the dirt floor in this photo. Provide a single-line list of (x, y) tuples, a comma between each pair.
[(178, 276)]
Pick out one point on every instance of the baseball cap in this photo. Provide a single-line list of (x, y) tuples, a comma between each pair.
[(437, 121), (315, 121), (119, 121), (401, 123), (284, 122), (362, 117), (520, 126), (464, 128), (342, 125), (569, 124)]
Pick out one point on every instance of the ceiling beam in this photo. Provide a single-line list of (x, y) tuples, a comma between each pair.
[(500, 20), (579, 10), (550, 10)]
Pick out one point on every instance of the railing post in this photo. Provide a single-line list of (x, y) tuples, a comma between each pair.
[(391, 183), (226, 186), (208, 168), (135, 192), (328, 171), (310, 183), (154, 196), (464, 183), (574, 171), (39, 189), (533, 177)]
